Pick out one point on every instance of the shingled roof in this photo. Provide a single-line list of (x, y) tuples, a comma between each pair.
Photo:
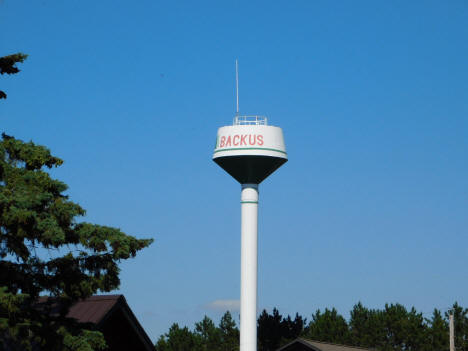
[(301, 344), (113, 317), (94, 309)]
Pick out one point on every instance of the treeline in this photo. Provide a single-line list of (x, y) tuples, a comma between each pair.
[(393, 328), (206, 336)]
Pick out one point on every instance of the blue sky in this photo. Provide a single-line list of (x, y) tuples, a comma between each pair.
[(372, 97)]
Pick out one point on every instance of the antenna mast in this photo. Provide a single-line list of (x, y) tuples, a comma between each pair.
[(237, 90), (451, 331)]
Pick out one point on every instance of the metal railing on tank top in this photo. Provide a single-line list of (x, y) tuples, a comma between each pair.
[(250, 121)]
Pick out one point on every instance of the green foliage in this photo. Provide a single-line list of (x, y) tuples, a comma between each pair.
[(328, 326), (366, 326), (229, 333), (177, 339), (405, 330), (291, 329), (460, 316), (393, 328), (8, 66), (269, 329), (273, 330), (45, 250), (438, 330), (206, 336), (86, 340)]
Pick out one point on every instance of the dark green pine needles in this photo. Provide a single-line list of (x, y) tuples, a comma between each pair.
[(44, 250), (8, 66)]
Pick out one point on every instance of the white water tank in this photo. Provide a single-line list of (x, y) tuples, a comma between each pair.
[(250, 150)]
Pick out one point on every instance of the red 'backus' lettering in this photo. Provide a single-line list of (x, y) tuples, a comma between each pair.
[(260, 140), (241, 140)]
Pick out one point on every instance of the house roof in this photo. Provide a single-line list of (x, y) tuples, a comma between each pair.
[(321, 346), (94, 309), (102, 308), (91, 310)]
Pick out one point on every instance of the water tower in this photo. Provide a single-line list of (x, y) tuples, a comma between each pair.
[(249, 150)]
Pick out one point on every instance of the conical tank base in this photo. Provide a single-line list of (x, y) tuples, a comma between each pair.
[(248, 168)]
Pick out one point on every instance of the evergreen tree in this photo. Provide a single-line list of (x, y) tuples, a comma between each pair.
[(329, 327), (8, 66), (229, 333), (291, 329), (205, 336), (404, 330), (269, 330), (274, 331), (208, 335), (366, 327), (395, 327), (460, 316), (438, 332), (44, 249), (177, 339), (358, 325), (417, 337)]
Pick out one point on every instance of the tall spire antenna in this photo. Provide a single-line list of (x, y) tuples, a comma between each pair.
[(451, 331), (237, 90)]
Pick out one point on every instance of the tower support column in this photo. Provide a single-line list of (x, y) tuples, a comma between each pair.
[(248, 300)]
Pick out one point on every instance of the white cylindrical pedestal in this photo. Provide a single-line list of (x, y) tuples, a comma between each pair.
[(249, 227)]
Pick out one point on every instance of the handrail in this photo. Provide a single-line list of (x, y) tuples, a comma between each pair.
[(250, 120)]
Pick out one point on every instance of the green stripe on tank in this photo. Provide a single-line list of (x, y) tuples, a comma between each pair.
[(249, 202), (251, 148)]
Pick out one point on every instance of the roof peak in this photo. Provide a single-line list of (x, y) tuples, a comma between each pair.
[(332, 343)]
